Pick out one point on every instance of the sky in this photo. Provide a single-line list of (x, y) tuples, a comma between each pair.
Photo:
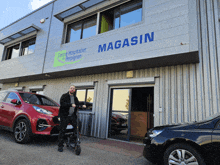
[(12, 10)]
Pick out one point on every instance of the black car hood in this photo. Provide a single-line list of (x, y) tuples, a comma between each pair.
[(164, 126), (191, 125)]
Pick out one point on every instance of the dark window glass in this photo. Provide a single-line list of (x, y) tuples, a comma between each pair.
[(37, 99), (12, 52), (121, 16), (28, 47), (85, 97), (82, 29), (12, 96), (131, 13), (74, 32), (117, 18), (107, 20), (47, 102), (2, 96), (89, 28)]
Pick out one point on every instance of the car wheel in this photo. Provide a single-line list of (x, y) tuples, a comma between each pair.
[(182, 154), (22, 131)]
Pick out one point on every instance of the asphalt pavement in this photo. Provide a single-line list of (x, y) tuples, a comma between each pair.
[(43, 151)]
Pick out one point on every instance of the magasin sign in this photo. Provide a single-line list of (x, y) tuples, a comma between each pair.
[(63, 57)]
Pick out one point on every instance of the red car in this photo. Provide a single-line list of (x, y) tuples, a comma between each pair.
[(27, 114)]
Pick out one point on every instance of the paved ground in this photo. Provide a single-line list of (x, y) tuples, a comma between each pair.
[(44, 152)]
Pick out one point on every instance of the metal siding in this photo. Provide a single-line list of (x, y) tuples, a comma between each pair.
[(206, 62), (193, 92), (180, 94), (217, 43), (200, 68), (213, 56), (167, 95), (186, 96), (173, 95), (105, 105), (156, 102), (162, 114)]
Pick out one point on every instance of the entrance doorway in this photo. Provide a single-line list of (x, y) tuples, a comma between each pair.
[(131, 113)]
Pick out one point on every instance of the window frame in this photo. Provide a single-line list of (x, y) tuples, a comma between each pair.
[(82, 21), (20, 47), (86, 94), (120, 8), (98, 15)]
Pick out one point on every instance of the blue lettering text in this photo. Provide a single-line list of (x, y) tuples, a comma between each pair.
[(118, 44), (150, 38), (110, 46), (102, 48), (126, 43), (134, 40)]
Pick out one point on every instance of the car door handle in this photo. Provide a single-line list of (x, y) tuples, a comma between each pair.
[(2, 106)]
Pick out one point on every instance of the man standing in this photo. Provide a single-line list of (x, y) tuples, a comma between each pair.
[(67, 113)]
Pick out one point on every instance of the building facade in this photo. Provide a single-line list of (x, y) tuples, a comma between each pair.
[(136, 64)]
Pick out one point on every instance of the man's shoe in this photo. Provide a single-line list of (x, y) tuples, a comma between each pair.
[(60, 149)]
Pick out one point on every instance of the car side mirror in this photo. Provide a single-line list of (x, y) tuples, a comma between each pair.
[(15, 101)]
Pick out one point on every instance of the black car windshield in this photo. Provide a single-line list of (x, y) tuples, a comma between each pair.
[(37, 99)]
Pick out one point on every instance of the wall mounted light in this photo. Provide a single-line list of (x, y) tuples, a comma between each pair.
[(42, 21)]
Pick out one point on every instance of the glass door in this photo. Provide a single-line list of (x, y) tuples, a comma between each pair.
[(119, 114)]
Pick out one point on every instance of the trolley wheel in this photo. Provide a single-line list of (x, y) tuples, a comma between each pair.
[(78, 150)]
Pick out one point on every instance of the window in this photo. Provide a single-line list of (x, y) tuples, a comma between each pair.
[(2, 96), (82, 29), (12, 96), (12, 52), (37, 99), (21, 49), (85, 97), (127, 14), (120, 16), (28, 47)]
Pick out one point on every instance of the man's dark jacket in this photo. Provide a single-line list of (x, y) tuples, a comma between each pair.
[(65, 104)]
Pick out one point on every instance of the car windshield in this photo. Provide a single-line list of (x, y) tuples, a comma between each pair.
[(37, 99)]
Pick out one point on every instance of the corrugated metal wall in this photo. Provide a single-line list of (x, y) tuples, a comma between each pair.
[(191, 92)]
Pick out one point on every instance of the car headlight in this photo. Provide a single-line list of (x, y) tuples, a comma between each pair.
[(41, 110), (155, 133)]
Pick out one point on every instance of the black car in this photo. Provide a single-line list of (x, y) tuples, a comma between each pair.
[(196, 143)]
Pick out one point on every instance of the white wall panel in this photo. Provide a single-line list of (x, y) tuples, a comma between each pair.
[(165, 6)]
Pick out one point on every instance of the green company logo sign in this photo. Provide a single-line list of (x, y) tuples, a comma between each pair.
[(63, 57)]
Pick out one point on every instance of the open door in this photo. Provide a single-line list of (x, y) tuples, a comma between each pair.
[(131, 113), (141, 112)]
